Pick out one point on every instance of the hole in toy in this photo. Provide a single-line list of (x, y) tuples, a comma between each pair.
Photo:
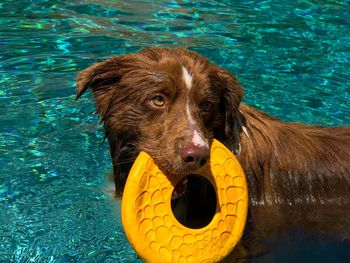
[(193, 201)]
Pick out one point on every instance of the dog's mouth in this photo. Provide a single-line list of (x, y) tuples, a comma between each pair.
[(194, 201), (180, 189)]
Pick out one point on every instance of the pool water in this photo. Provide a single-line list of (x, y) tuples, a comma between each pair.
[(292, 57)]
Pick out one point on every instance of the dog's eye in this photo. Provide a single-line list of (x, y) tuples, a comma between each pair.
[(205, 106), (158, 101)]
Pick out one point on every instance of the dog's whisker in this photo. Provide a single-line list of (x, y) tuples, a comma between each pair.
[(124, 162)]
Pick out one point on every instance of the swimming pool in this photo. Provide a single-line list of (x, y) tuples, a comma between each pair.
[(292, 57)]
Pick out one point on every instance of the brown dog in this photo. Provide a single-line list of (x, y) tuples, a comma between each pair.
[(172, 102)]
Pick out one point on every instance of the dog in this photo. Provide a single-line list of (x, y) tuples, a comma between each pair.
[(171, 103)]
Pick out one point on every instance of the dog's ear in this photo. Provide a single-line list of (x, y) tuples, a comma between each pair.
[(231, 90), (231, 97), (102, 78)]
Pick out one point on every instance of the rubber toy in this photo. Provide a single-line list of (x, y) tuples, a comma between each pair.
[(154, 232)]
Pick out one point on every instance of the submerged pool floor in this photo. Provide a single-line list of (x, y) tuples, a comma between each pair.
[(292, 58)]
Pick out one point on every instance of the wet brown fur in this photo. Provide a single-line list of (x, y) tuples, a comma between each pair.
[(298, 175)]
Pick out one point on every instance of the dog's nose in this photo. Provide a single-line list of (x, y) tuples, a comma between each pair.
[(194, 156)]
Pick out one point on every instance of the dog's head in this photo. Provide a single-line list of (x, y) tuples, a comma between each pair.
[(168, 102)]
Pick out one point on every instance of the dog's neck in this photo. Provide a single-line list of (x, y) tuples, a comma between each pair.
[(293, 170)]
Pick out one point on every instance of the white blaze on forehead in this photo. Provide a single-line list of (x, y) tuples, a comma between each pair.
[(197, 138), (187, 77), (189, 116)]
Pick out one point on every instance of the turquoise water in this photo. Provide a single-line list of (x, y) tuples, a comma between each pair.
[(292, 57)]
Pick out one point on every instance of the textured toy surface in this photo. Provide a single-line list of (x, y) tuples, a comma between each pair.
[(153, 230)]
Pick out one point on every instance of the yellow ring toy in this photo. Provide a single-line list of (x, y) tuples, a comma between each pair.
[(152, 228)]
